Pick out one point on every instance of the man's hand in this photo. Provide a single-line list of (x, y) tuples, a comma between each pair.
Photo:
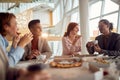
[(97, 48), (34, 54)]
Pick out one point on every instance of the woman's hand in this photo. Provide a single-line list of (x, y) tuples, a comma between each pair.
[(25, 40), (76, 38), (15, 41)]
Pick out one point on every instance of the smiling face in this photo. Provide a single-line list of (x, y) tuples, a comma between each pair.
[(36, 30), (103, 28), (11, 28), (75, 30)]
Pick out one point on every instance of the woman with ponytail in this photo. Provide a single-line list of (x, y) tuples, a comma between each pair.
[(108, 41), (71, 41)]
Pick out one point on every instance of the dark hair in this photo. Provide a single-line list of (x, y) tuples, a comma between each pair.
[(70, 27), (36, 67), (105, 21), (5, 20), (33, 22)]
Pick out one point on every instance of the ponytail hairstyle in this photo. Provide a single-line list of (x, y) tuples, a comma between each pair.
[(111, 27), (70, 27), (105, 21)]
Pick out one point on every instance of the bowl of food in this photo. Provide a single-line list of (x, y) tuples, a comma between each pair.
[(100, 63)]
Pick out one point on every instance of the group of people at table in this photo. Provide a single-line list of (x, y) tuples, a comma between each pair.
[(32, 45)]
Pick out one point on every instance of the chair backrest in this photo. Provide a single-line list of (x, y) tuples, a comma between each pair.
[(3, 64)]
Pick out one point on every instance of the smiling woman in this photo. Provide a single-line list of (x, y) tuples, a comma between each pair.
[(71, 41), (8, 26)]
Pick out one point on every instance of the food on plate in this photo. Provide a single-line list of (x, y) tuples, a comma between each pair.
[(77, 64), (66, 62), (65, 65), (53, 64), (100, 60)]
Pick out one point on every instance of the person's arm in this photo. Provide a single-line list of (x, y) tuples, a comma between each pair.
[(90, 47), (26, 53), (15, 55), (67, 49), (30, 54), (78, 45), (46, 49), (111, 53), (115, 52)]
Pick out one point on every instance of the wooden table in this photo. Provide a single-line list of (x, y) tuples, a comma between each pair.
[(76, 73)]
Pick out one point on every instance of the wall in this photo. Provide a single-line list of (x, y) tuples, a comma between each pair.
[(44, 17)]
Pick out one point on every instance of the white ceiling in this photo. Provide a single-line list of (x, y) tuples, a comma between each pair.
[(15, 1), (12, 5)]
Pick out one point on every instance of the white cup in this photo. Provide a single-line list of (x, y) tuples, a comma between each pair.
[(95, 41)]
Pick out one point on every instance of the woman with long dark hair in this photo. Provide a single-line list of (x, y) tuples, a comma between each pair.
[(71, 41)]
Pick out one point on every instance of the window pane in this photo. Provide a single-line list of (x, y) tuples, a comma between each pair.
[(112, 18), (75, 17), (110, 6), (95, 9), (56, 47), (93, 27), (56, 15), (69, 5), (76, 2)]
